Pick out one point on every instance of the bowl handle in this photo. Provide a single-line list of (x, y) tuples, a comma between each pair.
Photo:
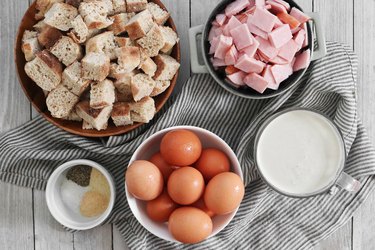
[(321, 51), (194, 33)]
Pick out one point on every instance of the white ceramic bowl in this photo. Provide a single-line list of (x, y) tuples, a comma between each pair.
[(58, 209), (151, 146)]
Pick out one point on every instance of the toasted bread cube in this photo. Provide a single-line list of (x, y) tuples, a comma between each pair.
[(123, 86), (153, 41), (42, 6), (97, 118), (102, 94), (49, 36), (121, 97), (86, 125), (73, 116), (39, 26), (119, 6), (141, 85), (66, 50), (121, 114), (61, 16), (123, 41), (60, 101), (104, 42), (95, 13), (136, 5), (74, 3), (167, 67), (149, 67), (143, 111), (30, 45), (119, 22), (139, 25), (45, 70), (129, 57), (95, 66), (72, 80), (159, 15), (80, 31), (170, 39), (160, 87)]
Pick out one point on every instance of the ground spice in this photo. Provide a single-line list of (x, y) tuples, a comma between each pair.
[(80, 175)]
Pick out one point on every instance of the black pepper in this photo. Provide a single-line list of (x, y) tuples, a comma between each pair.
[(80, 175)]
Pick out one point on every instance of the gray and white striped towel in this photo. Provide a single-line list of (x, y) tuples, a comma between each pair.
[(265, 220)]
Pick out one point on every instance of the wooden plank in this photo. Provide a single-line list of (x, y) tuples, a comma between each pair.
[(99, 238), (364, 25), (181, 15), (16, 216), (118, 242)]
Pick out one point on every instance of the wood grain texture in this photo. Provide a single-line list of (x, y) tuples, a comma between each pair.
[(98, 238), (364, 26)]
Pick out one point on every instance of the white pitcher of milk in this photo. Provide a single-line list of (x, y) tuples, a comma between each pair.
[(300, 153)]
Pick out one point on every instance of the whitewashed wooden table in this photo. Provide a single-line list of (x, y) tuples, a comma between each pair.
[(25, 222)]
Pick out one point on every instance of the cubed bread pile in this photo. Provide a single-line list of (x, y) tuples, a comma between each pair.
[(96, 59)]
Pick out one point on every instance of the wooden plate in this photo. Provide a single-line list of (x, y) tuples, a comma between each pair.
[(38, 100)]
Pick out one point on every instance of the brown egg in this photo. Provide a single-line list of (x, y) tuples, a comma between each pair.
[(161, 208), (163, 166), (185, 185), (202, 206), (224, 193), (189, 225), (144, 180), (212, 162), (180, 147)]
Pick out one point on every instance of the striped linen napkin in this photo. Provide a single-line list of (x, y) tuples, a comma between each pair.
[(266, 219)]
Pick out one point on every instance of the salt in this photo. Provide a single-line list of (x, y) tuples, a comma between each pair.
[(71, 194)]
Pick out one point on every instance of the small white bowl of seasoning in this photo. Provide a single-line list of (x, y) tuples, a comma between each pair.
[(80, 194)]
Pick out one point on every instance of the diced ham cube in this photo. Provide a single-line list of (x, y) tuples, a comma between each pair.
[(214, 23), (242, 17), (289, 50), (256, 82), (268, 7), (252, 3), (242, 37), (295, 30), (236, 7), (220, 19), (262, 57), (260, 3), (216, 62), (279, 60), (285, 4), (302, 60), (218, 31), (263, 19), (299, 38), (306, 41), (276, 8), (237, 78), (252, 49), (213, 46), (267, 75), (278, 23), (255, 30), (288, 19), (280, 36), (299, 15), (232, 24), (223, 46), (230, 70), (266, 48), (231, 56), (248, 64), (281, 72), (212, 34)]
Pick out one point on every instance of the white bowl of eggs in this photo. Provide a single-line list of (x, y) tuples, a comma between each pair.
[(184, 184)]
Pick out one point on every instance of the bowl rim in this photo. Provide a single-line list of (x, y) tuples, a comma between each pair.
[(64, 124), (51, 185), (236, 168)]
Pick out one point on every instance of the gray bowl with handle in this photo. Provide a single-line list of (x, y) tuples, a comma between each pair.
[(199, 48)]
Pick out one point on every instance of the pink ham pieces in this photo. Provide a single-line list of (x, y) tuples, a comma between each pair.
[(259, 42)]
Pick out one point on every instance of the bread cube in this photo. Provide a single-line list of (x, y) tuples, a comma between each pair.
[(167, 67), (119, 22), (104, 42), (123, 41), (129, 57), (149, 67), (86, 125), (60, 101), (66, 50), (60, 16), (102, 94), (160, 87), (95, 13), (74, 3), (141, 85), (119, 6), (49, 36), (30, 45), (95, 66), (80, 31), (97, 118), (139, 25), (45, 70), (42, 6), (159, 15), (170, 38), (153, 41), (39, 26), (121, 114), (73, 116), (72, 80), (143, 111), (136, 5)]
